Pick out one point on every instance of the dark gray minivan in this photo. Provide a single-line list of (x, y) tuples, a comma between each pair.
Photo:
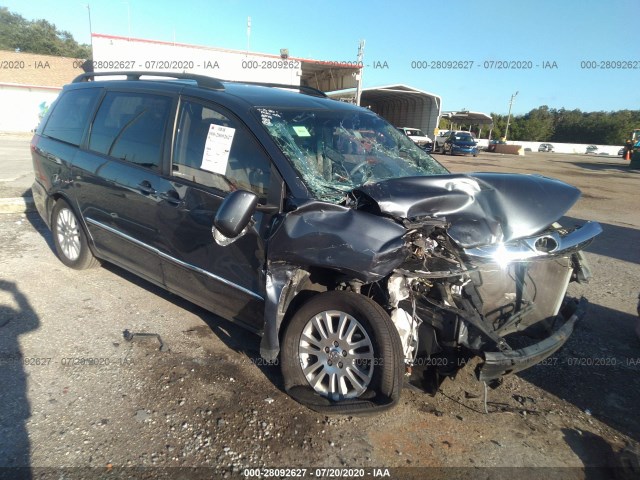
[(359, 259)]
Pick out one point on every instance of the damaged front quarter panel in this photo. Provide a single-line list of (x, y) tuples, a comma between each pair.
[(353, 244), (358, 244)]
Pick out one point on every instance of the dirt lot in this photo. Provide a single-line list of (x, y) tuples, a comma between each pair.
[(76, 394)]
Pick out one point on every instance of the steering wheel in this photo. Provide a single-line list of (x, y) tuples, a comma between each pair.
[(358, 167)]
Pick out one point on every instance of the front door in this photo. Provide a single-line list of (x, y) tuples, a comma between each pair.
[(214, 154)]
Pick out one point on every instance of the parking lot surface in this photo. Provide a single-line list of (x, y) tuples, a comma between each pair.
[(75, 393)]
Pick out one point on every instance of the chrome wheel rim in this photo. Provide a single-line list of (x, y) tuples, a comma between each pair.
[(336, 355), (68, 234)]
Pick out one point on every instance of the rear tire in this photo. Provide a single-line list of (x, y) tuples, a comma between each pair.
[(69, 238), (342, 354)]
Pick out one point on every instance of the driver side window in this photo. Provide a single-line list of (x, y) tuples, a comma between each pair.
[(217, 151)]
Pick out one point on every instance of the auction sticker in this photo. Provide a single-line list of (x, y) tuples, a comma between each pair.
[(216, 151)]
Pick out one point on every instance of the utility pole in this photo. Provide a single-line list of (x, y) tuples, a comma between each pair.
[(506, 130), (128, 18), (248, 33), (90, 29), (360, 66)]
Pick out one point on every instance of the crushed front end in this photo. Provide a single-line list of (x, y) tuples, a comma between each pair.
[(488, 271), (505, 302)]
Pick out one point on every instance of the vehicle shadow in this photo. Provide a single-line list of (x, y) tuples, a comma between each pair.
[(235, 337), (597, 370), (615, 241), (17, 317), (39, 226), (619, 166), (595, 453)]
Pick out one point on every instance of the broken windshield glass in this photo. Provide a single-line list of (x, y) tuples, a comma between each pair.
[(335, 151)]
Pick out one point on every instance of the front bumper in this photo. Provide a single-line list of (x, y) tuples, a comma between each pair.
[(427, 147), (464, 150), (497, 364)]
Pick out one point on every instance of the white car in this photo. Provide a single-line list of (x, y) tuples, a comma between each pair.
[(418, 137)]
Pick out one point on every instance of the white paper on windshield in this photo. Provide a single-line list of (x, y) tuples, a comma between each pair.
[(216, 151)]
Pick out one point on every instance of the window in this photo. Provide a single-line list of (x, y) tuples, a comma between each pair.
[(131, 127), (70, 115), (218, 152)]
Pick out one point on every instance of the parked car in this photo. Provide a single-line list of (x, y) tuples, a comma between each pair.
[(354, 254), (460, 143), (545, 147), (491, 146), (418, 138), (591, 149), (444, 135)]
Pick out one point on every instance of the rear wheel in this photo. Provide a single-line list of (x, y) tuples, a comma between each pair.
[(342, 354), (69, 238)]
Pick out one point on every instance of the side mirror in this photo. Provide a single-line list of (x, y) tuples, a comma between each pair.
[(235, 213)]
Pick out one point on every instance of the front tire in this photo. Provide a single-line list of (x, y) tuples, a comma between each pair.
[(342, 354), (69, 238)]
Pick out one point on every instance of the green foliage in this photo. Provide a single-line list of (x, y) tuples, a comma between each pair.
[(37, 36), (543, 124)]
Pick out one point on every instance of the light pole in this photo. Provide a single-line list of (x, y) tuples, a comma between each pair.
[(128, 18), (360, 66), (506, 130)]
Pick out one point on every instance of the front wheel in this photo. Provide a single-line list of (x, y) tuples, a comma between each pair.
[(69, 238), (342, 354)]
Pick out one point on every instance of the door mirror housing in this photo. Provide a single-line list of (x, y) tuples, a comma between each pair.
[(235, 213)]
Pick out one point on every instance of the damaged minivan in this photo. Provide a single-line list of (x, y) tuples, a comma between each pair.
[(360, 261)]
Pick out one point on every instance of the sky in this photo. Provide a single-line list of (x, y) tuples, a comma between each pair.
[(402, 37)]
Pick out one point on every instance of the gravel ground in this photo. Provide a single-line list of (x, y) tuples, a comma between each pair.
[(76, 395)]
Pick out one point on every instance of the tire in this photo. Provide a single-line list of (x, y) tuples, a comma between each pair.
[(69, 238), (347, 379)]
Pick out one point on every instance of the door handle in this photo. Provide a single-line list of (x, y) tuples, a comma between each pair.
[(146, 188), (54, 158), (172, 197), (50, 156)]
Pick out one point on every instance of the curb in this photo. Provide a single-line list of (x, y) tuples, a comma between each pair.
[(17, 205)]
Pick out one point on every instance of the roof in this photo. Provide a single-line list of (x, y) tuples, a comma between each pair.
[(321, 74), (253, 94), (385, 93), (465, 116)]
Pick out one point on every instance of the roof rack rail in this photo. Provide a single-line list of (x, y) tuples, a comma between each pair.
[(202, 80), (302, 88)]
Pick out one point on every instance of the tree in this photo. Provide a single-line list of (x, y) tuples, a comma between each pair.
[(37, 36)]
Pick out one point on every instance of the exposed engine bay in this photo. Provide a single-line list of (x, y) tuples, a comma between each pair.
[(449, 306)]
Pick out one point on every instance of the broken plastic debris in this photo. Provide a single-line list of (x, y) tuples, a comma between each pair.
[(128, 335), (269, 400)]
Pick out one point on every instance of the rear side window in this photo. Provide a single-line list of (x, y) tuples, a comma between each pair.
[(131, 127), (71, 115)]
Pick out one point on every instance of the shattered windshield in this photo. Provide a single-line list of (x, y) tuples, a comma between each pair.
[(337, 151)]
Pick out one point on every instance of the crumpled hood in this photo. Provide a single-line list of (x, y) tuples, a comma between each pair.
[(482, 208)]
